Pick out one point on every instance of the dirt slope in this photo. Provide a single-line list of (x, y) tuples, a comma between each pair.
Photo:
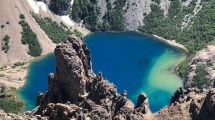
[(10, 11)]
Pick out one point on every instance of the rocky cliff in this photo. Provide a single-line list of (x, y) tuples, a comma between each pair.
[(75, 92), (190, 104)]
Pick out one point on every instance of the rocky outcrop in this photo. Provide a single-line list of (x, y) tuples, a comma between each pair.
[(190, 104), (76, 92)]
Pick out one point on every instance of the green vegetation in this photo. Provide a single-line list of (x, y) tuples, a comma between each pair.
[(200, 80), (157, 1), (30, 38), (77, 33), (5, 43), (21, 16), (8, 22), (183, 67), (88, 11), (195, 36), (59, 6), (65, 26), (114, 17), (55, 31), (4, 91), (11, 106), (8, 102), (2, 26), (18, 64)]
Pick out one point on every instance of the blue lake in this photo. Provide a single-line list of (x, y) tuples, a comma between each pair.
[(132, 61)]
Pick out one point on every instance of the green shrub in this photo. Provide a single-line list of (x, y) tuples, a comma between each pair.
[(30, 38), (88, 11), (209, 63), (55, 31), (8, 102), (18, 64), (59, 6), (200, 80), (2, 26), (183, 67), (11, 106), (77, 33), (5, 43), (6, 38), (157, 1), (21, 16), (65, 26)]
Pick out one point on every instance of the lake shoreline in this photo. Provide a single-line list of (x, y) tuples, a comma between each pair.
[(172, 44), (23, 74), (176, 45)]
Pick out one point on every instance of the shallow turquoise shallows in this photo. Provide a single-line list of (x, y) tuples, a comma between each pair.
[(133, 61)]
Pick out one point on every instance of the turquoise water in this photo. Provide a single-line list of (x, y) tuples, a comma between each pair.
[(132, 61)]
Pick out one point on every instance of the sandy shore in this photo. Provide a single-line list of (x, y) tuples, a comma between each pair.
[(172, 43)]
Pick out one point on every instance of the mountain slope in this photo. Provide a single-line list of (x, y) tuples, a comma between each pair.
[(10, 11)]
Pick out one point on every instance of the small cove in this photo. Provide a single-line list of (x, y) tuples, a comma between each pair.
[(132, 61)]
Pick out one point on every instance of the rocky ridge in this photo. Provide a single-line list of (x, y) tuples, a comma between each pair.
[(76, 93)]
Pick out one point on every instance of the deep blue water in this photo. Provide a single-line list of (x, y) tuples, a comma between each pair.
[(37, 79), (129, 60)]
